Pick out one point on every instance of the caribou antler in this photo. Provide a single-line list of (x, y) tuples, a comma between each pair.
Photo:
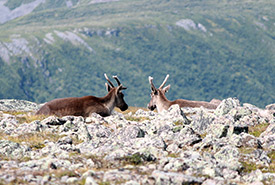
[(163, 83), (117, 80), (152, 85), (108, 80)]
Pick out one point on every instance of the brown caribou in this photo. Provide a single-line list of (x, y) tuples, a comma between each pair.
[(86, 105), (160, 102)]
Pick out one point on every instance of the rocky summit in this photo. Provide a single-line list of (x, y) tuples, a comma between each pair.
[(234, 144)]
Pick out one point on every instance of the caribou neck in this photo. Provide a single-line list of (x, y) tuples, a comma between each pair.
[(163, 103), (109, 100)]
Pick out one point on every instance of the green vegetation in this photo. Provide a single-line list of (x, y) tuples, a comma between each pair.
[(173, 155), (134, 159), (249, 166), (256, 130), (12, 4), (233, 57), (138, 119)]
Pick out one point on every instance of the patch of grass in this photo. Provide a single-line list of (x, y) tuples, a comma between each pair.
[(271, 155), (258, 129), (25, 117), (104, 183), (251, 166), (137, 119), (246, 150), (33, 140), (248, 167), (173, 155), (15, 113), (16, 181), (30, 118), (8, 158), (37, 146), (203, 135), (73, 154), (134, 159), (178, 123)]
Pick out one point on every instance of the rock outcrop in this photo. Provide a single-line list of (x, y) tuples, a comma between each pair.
[(233, 144)]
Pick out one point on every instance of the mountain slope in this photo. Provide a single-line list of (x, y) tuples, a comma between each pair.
[(212, 49)]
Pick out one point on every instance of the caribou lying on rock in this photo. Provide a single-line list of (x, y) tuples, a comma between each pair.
[(85, 106), (160, 102)]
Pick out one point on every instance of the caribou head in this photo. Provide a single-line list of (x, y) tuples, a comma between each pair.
[(158, 99), (119, 96)]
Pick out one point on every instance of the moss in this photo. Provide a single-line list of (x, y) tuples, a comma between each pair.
[(257, 129)]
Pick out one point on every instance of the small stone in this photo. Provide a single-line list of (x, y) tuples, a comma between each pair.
[(90, 181)]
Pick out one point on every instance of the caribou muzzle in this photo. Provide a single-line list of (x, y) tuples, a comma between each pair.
[(124, 107), (152, 107)]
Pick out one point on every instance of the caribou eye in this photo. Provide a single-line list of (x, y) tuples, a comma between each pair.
[(156, 93)]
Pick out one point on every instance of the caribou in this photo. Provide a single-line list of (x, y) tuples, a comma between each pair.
[(160, 102), (86, 105)]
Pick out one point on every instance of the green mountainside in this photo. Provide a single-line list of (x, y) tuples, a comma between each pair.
[(211, 49)]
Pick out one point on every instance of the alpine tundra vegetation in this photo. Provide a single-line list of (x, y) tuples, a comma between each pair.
[(211, 49), (233, 144)]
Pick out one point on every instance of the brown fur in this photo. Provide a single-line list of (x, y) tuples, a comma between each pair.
[(84, 106)]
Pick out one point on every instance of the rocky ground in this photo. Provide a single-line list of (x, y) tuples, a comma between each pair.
[(233, 144)]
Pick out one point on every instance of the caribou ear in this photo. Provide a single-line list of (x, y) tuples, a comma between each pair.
[(108, 87), (166, 89)]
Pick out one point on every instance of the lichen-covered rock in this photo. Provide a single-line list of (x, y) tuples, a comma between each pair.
[(228, 157), (17, 105), (8, 123), (204, 147), (270, 107), (162, 177), (239, 112), (226, 106), (12, 149), (202, 121)]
